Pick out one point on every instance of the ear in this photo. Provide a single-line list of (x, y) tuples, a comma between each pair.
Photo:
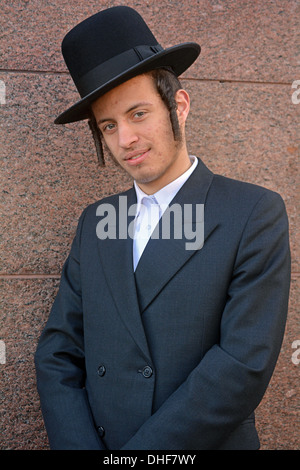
[(183, 105)]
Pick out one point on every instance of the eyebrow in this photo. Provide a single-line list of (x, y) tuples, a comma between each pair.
[(132, 108)]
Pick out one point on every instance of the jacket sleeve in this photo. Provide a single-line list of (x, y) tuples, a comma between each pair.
[(231, 379), (60, 365)]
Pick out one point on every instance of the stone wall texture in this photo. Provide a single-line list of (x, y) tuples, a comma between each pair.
[(244, 123)]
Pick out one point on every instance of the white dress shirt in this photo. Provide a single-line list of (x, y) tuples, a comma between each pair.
[(151, 208)]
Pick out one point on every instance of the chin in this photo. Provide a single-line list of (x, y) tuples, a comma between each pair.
[(144, 179)]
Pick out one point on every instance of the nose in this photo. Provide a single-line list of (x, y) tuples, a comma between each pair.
[(127, 135)]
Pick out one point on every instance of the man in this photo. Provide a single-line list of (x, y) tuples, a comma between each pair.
[(159, 342)]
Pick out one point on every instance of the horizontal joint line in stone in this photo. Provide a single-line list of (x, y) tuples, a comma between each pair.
[(29, 276), (218, 80)]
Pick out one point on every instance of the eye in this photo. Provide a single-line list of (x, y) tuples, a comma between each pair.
[(108, 127), (139, 114)]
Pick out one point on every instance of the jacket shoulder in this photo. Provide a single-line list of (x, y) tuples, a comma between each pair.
[(237, 201), (231, 191)]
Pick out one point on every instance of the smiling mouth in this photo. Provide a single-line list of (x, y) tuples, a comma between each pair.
[(135, 158)]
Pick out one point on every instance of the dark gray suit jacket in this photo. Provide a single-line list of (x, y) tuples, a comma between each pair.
[(178, 354)]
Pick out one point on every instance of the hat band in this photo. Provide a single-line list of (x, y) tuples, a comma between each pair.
[(113, 67)]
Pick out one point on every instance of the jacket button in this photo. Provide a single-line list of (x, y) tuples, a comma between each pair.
[(101, 371), (147, 372), (101, 431)]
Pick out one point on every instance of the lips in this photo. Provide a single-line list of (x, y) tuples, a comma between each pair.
[(136, 157)]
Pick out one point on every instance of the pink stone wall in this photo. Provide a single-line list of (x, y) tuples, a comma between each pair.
[(244, 123)]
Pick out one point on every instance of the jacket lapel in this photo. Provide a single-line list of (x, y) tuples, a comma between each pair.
[(116, 258), (162, 258)]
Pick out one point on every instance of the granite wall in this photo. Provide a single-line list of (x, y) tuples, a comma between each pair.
[(244, 123)]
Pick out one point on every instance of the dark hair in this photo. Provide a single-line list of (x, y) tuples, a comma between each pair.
[(167, 84)]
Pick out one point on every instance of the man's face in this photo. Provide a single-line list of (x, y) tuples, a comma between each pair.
[(136, 128)]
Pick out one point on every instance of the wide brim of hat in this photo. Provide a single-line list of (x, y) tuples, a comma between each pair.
[(179, 58)]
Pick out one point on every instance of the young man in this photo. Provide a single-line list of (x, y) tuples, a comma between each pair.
[(159, 342)]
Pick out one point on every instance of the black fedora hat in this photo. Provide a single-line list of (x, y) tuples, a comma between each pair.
[(111, 47)]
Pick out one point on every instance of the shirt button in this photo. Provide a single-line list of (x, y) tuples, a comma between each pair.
[(147, 372), (101, 371)]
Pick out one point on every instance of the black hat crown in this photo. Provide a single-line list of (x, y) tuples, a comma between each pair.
[(111, 47)]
